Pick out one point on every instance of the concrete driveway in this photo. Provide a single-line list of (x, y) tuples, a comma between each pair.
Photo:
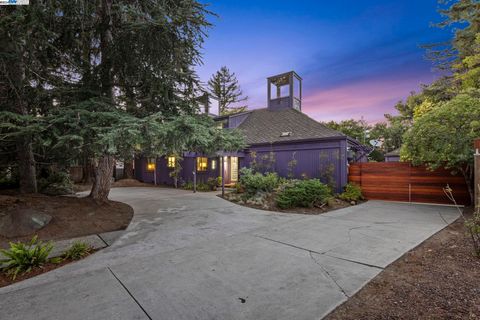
[(196, 256)]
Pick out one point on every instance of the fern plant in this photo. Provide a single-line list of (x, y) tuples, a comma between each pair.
[(77, 251), (23, 257)]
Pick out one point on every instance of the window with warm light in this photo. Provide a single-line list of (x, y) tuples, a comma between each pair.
[(214, 164), (150, 166), (171, 162), (202, 163)]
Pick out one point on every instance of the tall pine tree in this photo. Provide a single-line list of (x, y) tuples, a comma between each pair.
[(224, 87)]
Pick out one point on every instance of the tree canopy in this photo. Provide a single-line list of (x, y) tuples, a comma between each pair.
[(96, 81)]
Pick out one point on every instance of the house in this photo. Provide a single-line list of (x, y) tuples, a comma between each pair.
[(393, 156), (280, 138)]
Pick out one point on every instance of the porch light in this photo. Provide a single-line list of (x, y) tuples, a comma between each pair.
[(151, 165), (214, 164)]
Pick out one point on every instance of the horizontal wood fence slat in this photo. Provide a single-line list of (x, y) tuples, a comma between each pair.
[(400, 181)]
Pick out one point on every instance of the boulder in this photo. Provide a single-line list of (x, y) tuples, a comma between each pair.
[(18, 223)]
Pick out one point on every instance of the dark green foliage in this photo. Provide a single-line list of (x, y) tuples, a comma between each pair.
[(202, 187), (212, 183), (56, 183), (356, 129), (77, 251), (376, 156), (188, 185), (352, 192), (80, 75), (254, 182), (23, 257), (8, 178), (303, 193)]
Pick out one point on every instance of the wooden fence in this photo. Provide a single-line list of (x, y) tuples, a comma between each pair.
[(400, 181)]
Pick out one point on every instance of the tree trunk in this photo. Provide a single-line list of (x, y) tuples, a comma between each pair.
[(128, 170), (106, 38), (477, 180), (26, 166), (468, 176), (103, 178), (15, 72), (88, 171)]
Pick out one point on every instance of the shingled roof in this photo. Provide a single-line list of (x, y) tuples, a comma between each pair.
[(271, 126)]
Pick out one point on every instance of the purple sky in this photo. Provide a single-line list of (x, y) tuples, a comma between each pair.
[(357, 58)]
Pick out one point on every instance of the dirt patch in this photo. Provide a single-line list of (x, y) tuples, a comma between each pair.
[(71, 216), (440, 279), (7, 280)]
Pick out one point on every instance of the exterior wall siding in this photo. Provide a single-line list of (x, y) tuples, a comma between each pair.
[(163, 172), (325, 160)]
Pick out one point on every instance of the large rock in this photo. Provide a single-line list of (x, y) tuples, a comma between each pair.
[(22, 222)]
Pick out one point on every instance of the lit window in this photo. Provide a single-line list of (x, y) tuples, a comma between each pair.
[(214, 164), (202, 163), (171, 162), (150, 166)]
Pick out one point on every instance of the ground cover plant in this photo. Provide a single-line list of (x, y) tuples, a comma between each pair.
[(352, 192), (23, 260), (23, 257), (77, 251)]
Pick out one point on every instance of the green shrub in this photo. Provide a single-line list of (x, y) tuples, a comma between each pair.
[(203, 187), (8, 179), (56, 183), (77, 251), (352, 192), (212, 183), (188, 185), (253, 182), (303, 193), (23, 257)]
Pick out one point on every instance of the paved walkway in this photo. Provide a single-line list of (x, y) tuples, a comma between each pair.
[(196, 256)]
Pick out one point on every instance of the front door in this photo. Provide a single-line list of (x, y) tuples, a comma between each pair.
[(233, 169), (230, 170)]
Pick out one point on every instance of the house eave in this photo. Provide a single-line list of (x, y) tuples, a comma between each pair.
[(334, 138)]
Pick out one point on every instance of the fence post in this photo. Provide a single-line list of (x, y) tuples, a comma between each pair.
[(476, 174)]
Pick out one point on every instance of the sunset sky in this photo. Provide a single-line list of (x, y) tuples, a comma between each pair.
[(356, 58)]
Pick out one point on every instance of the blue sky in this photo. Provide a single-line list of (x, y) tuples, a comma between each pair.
[(356, 58)]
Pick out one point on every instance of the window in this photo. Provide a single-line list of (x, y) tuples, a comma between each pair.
[(171, 162), (202, 163), (151, 166), (214, 164)]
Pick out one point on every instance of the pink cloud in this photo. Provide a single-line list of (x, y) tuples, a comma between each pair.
[(370, 99)]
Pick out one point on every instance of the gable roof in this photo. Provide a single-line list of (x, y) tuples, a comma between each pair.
[(271, 126)]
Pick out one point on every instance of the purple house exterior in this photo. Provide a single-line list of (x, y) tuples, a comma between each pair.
[(280, 139)]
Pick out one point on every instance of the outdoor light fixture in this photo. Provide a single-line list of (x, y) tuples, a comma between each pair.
[(151, 165)]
